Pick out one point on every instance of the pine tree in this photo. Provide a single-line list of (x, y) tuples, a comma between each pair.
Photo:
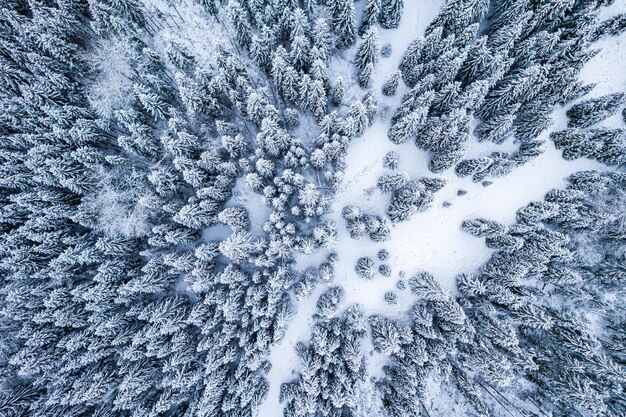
[(370, 15), (391, 182), (499, 128), (365, 268), (329, 301), (344, 22), (180, 56), (391, 160), (338, 91), (322, 38), (235, 217), (151, 102), (406, 126), (593, 111), (239, 21), (390, 86), (366, 57), (385, 271), (238, 246), (300, 48), (390, 13)]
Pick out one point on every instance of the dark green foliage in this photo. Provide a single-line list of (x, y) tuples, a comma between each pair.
[(611, 27), (366, 57), (370, 15), (593, 111), (605, 145), (391, 85), (344, 22), (390, 13)]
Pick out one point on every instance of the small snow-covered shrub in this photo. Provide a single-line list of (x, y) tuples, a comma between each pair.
[(384, 270), (385, 51), (391, 297), (391, 159)]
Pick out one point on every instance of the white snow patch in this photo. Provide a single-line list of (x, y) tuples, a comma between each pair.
[(283, 358), (606, 69), (432, 240), (259, 213)]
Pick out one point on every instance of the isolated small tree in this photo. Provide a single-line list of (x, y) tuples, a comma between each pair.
[(390, 86), (384, 270), (391, 159), (365, 268), (391, 297)]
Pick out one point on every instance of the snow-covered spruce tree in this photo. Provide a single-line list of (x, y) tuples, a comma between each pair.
[(329, 301), (338, 91), (412, 197), (380, 229), (343, 22), (483, 227), (370, 15), (595, 110), (235, 217), (365, 268), (391, 160), (239, 21), (390, 86), (332, 368), (551, 251), (407, 122), (605, 145), (611, 27), (389, 183), (366, 56), (390, 13)]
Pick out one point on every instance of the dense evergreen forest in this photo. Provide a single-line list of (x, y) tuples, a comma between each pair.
[(172, 182)]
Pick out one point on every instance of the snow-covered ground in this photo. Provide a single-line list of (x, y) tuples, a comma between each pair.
[(432, 240)]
